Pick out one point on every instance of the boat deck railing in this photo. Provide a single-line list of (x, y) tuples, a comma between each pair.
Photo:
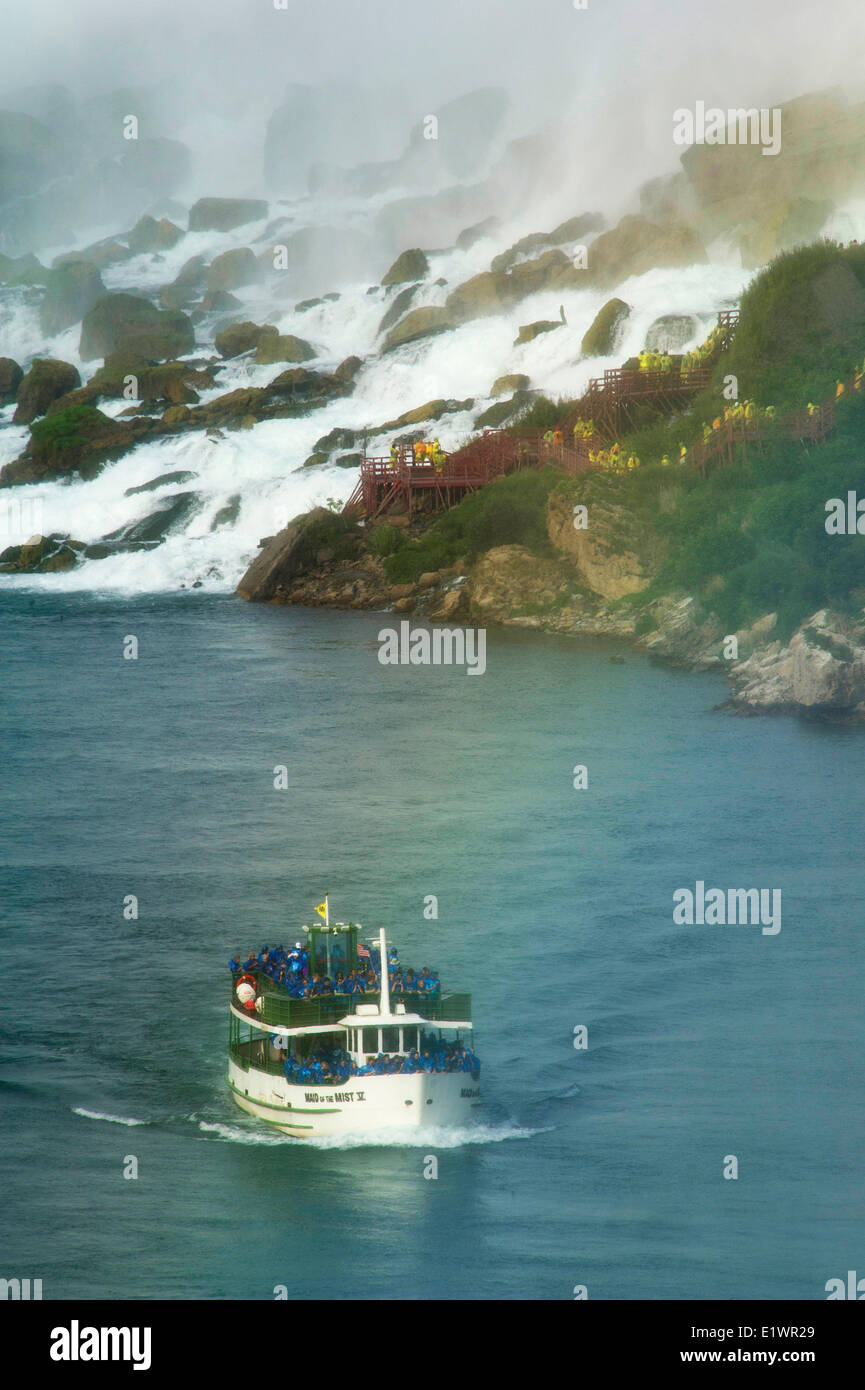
[(278, 1007)]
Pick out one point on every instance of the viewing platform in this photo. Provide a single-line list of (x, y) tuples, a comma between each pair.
[(609, 402)]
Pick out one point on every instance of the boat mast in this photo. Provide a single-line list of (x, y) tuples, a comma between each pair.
[(385, 983)]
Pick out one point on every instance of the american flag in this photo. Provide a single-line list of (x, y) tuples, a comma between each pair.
[(362, 952)]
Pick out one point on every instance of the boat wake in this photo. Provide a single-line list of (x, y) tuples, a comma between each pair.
[(111, 1119), (432, 1137)]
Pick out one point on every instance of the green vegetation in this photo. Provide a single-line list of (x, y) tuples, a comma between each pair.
[(385, 540), (67, 429), (509, 511)]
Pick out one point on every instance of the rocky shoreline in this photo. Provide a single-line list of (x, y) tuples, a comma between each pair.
[(320, 560)]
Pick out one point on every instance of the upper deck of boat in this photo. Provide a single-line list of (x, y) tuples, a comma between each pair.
[(285, 1010)]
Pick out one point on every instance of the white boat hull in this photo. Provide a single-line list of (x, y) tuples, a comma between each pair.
[(363, 1104)]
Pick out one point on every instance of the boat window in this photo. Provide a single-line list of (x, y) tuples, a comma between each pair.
[(409, 1038), (391, 1040), (370, 1040)]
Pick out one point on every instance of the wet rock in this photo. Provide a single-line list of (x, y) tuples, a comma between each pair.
[(348, 369), (411, 265), (602, 338), (217, 301), (529, 331), (305, 304), (22, 270), (670, 332), (470, 235), (233, 269), (430, 410), (418, 324), (227, 515), (504, 385), (186, 286), (180, 475), (11, 377), (150, 234), (282, 347), (47, 379), (171, 513), (69, 293), (79, 440), (399, 307), (497, 415), (241, 337), (224, 214), (636, 245), (126, 323), (293, 550), (101, 254)]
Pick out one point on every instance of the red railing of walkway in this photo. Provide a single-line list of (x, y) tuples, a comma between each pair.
[(496, 452)]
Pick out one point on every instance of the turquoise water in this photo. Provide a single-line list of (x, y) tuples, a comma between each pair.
[(604, 1168)]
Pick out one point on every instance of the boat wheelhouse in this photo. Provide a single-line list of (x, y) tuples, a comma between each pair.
[(339, 1063)]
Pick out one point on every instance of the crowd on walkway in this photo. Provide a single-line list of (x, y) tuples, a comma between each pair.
[(330, 1066), (291, 969), (423, 451)]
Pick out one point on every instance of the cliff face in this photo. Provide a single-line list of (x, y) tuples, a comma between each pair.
[(613, 553)]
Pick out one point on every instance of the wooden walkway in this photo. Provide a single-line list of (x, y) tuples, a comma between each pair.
[(384, 483)]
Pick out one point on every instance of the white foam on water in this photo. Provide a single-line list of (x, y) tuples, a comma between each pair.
[(432, 1136), (110, 1119)]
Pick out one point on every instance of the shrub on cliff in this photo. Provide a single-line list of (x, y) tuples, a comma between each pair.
[(509, 511)]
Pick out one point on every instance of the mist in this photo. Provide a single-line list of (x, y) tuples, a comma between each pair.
[(601, 83)]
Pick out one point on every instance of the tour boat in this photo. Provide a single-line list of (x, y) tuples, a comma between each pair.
[(276, 1042)]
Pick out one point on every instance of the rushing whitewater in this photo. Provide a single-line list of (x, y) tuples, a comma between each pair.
[(258, 474)]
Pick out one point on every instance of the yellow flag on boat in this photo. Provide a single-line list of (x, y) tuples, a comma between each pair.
[(321, 909)]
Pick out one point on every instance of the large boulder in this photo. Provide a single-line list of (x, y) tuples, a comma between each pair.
[(70, 291), (636, 245), (172, 382), (170, 514), (186, 285), (430, 410), (419, 323), (22, 270), (11, 377), (125, 323), (233, 269), (224, 214), (236, 338), (670, 332), (551, 271), (574, 228), (529, 331), (507, 385), (411, 265), (291, 551), (487, 293), (399, 306), (148, 234), (602, 338), (46, 380), (282, 347), (79, 440)]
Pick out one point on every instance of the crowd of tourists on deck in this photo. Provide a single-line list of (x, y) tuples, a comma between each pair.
[(291, 969), (329, 1066), (423, 451)]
